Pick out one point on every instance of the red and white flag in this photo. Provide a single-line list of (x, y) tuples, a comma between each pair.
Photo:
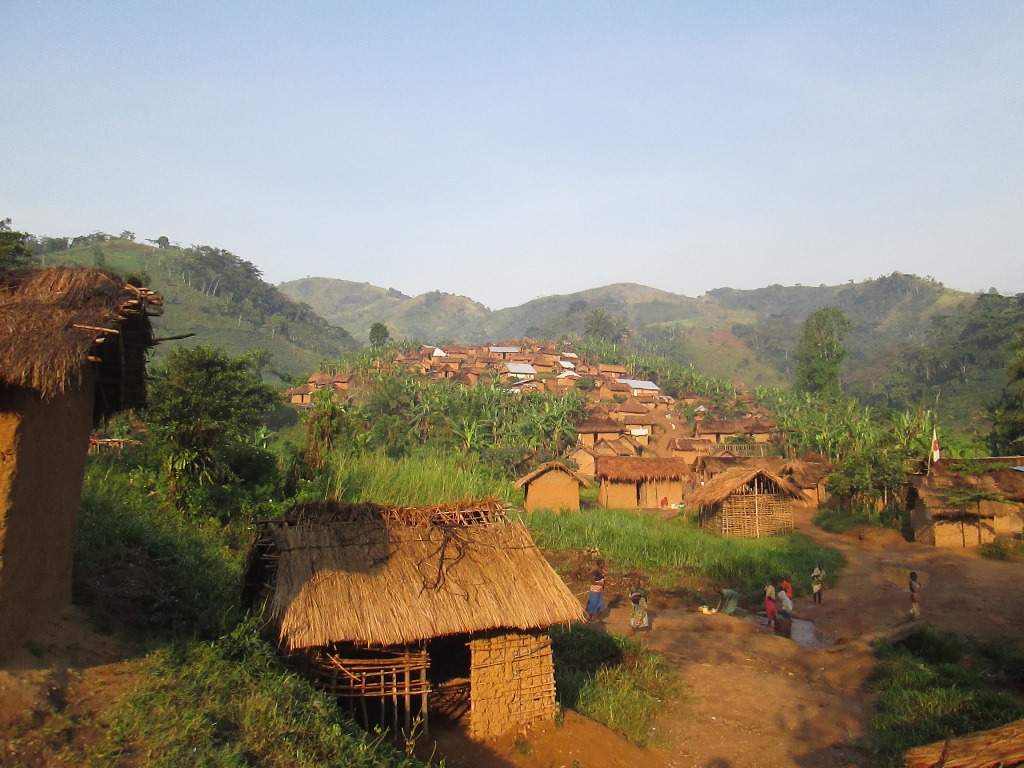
[(936, 453)]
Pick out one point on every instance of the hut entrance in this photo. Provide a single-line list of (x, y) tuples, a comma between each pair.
[(449, 676)]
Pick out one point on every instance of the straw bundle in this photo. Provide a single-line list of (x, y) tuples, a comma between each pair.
[(996, 748), (383, 576), (55, 321)]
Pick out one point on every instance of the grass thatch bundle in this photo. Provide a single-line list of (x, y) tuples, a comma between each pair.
[(637, 469), (56, 321), (742, 480), (382, 576), (996, 748)]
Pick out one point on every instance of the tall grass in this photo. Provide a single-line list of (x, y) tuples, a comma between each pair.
[(422, 479), (669, 548), (933, 685)]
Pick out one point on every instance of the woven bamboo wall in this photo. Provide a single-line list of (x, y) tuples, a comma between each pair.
[(751, 516), (513, 682)]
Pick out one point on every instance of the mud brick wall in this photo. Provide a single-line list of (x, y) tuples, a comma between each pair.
[(513, 682)]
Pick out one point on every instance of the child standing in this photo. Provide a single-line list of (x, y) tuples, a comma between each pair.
[(639, 620), (817, 582), (915, 596)]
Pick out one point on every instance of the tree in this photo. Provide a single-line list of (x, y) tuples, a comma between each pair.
[(14, 254), (1007, 436), (204, 408), (380, 336), (820, 353)]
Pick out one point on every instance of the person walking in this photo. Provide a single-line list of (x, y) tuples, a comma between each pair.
[(915, 596), (818, 582)]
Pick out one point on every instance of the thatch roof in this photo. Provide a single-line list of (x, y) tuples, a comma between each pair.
[(384, 576), (995, 748), (739, 479), (595, 425), (551, 466), (806, 474), (939, 493), (633, 469), (57, 321), (723, 462)]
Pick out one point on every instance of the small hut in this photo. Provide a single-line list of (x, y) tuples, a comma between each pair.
[(810, 476), (746, 502), (552, 486), (403, 613), (950, 510), (73, 351), (634, 482)]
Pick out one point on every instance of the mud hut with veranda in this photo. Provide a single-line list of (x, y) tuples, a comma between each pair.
[(746, 502), (72, 352), (407, 613), (552, 486)]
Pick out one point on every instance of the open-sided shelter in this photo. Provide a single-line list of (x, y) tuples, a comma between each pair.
[(404, 611), (746, 502), (635, 482), (73, 351), (552, 486)]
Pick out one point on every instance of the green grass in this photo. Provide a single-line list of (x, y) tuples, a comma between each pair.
[(181, 574), (838, 521), (614, 680), (933, 685), (668, 549), (1003, 548), (424, 479), (231, 703)]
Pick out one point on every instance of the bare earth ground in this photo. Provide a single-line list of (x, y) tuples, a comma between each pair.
[(748, 699)]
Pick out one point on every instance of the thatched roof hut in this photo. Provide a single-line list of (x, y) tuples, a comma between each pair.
[(634, 482), (1001, 747), (350, 588), (552, 486), (746, 502), (73, 351)]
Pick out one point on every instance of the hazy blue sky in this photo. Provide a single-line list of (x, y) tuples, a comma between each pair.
[(511, 150)]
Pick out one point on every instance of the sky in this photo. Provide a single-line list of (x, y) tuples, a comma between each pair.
[(506, 151)]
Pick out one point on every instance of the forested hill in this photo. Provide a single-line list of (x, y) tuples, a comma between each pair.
[(214, 294)]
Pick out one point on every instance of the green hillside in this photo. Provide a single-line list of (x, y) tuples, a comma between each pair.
[(215, 295)]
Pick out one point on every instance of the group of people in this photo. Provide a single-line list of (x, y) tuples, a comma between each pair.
[(639, 619), (778, 599)]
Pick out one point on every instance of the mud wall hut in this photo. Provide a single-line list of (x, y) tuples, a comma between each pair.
[(948, 509), (406, 613), (551, 486), (635, 482), (73, 351), (746, 502)]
